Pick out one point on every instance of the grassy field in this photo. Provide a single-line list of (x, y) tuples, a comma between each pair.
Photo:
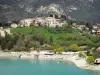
[(24, 30), (45, 32)]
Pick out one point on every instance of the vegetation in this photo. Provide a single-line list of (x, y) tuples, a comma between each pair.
[(24, 30), (90, 59), (74, 47), (58, 39), (66, 37), (81, 54), (59, 50)]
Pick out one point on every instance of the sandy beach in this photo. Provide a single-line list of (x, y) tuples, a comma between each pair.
[(6, 55), (81, 63)]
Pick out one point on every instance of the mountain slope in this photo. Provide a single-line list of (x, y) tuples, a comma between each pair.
[(87, 10)]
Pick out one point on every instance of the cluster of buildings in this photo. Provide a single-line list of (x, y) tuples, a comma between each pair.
[(50, 21), (81, 27), (96, 29)]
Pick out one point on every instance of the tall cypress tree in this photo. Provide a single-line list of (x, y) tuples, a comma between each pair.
[(51, 39)]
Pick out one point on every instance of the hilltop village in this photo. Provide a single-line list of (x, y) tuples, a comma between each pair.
[(52, 21)]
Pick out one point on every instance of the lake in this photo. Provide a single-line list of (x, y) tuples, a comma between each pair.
[(41, 67)]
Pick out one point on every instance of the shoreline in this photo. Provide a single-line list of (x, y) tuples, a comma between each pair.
[(79, 62)]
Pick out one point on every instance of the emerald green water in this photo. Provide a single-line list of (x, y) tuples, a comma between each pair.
[(40, 67)]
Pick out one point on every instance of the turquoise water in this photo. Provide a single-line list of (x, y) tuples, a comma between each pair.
[(40, 67)]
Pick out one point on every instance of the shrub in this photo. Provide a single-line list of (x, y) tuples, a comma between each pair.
[(60, 49), (74, 47), (81, 54), (90, 59)]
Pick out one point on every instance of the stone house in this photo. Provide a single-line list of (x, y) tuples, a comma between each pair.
[(95, 27), (98, 32), (14, 25), (81, 27), (26, 22)]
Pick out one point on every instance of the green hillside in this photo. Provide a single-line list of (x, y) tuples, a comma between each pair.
[(47, 33)]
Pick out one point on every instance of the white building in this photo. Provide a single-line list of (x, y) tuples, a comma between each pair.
[(95, 27), (26, 22), (14, 25), (81, 27), (21, 25)]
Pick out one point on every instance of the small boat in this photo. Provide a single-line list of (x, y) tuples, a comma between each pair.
[(19, 56), (49, 53)]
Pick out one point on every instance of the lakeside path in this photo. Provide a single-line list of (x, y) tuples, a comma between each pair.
[(79, 62)]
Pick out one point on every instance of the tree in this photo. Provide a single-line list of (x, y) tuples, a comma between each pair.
[(9, 45), (64, 26), (50, 15), (74, 47), (90, 59), (3, 44), (95, 39), (89, 26), (57, 29), (18, 49), (17, 22), (34, 44), (63, 17), (59, 50), (56, 16), (8, 37), (51, 39), (96, 54), (81, 54), (39, 37), (15, 38), (20, 45), (0, 24), (70, 22)]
